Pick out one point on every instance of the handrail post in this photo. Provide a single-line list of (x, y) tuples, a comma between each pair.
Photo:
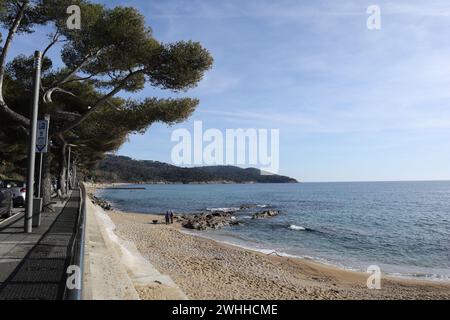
[(78, 246)]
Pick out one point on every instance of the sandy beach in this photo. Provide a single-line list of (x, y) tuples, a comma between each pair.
[(206, 269)]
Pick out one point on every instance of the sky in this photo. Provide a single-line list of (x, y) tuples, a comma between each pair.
[(351, 104)]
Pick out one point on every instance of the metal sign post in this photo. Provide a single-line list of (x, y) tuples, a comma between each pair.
[(32, 144), (68, 171), (42, 146)]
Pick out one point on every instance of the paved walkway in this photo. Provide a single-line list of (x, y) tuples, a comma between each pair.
[(33, 266)]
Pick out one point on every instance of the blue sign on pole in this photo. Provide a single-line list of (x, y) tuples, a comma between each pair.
[(42, 136)]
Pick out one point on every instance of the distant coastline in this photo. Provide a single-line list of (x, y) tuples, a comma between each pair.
[(120, 169), (191, 182)]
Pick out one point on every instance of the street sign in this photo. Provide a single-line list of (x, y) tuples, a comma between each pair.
[(42, 136)]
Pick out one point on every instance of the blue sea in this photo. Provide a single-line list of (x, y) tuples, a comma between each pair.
[(402, 227)]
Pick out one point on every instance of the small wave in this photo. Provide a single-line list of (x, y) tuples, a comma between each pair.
[(421, 276), (226, 210), (253, 206), (297, 228)]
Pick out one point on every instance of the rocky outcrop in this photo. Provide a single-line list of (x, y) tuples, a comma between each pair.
[(217, 219), (101, 203), (205, 221), (265, 214)]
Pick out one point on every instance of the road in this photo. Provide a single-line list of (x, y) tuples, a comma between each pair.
[(15, 211)]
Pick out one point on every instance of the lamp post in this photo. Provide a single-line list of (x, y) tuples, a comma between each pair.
[(28, 226)]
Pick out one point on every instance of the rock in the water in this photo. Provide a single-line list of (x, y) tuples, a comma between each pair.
[(247, 206), (266, 214)]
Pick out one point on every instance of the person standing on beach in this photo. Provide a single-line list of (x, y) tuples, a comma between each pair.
[(171, 217), (167, 217)]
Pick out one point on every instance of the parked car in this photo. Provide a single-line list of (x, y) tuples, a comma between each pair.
[(6, 203), (18, 190)]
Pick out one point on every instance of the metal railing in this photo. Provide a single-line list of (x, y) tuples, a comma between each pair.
[(78, 247)]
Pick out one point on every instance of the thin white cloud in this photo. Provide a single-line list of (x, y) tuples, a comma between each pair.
[(216, 82), (269, 119), (290, 9)]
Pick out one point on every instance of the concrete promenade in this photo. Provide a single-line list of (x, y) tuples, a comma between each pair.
[(114, 269)]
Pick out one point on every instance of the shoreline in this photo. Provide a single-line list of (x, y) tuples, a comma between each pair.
[(200, 265), (323, 262)]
